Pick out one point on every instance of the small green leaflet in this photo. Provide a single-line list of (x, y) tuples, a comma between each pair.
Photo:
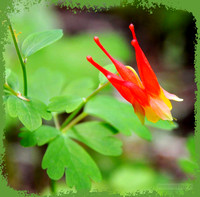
[(98, 136), (64, 103), (39, 40), (39, 137), (81, 87), (30, 113), (120, 115), (102, 78), (65, 156)]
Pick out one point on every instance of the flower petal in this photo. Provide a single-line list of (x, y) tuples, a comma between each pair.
[(123, 90), (139, 111), (125, 73), (147, 75), (172, 96), (160, 108)]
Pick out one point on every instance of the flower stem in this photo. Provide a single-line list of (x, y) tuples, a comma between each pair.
[(56, 121), (53, 186), (67, 121), (73, 122), (20, 59)]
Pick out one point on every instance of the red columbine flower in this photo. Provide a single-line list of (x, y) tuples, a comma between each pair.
[(147, 97)]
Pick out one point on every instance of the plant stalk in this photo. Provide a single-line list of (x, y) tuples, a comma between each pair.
[(20, 59), (67, 121), (74, 122)]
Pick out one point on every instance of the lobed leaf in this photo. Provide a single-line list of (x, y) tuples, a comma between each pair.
[(98, 136), (39, 137), (64, 103), (28, 112), (119, 115), (65, 156), (39, 40)]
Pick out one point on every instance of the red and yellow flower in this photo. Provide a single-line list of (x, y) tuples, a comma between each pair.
[(145, 94)]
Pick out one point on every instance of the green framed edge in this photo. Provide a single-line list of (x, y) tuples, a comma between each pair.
[(192, 6)]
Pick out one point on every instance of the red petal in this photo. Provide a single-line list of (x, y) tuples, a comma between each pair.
[(147, 75), (125, 73), (137, 93), (128, 90)]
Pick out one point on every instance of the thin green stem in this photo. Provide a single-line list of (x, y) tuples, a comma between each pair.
[(56, 121), (74, 122), (71, 116), (20, 59), (67, 121)]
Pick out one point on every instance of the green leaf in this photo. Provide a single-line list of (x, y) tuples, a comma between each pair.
[(12, 79), (80, 87), (39, 40), (45, 84), (64, 103), (28, 112), (110, 68), (188, 166), (190, 144), (39, 137), (162, 124), (119, 115), (11, 106), (98, 136), (65, 156)]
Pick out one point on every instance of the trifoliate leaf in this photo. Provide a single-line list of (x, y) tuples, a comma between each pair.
[(65, 156), (64, 103), (119, 115), (39, 137), (98, 136), (39, 40), (29, 112)]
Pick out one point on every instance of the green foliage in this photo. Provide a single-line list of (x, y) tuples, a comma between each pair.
[(39, 40), (189, 165), (98, 136), (102, 78), (162, 124), (64, 103), (119, 115), (45, 84), (65, 156), (80, 87), (12, 79), (39, 137), (30, 113)]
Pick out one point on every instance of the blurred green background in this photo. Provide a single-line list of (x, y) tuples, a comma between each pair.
[(167, 38)]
